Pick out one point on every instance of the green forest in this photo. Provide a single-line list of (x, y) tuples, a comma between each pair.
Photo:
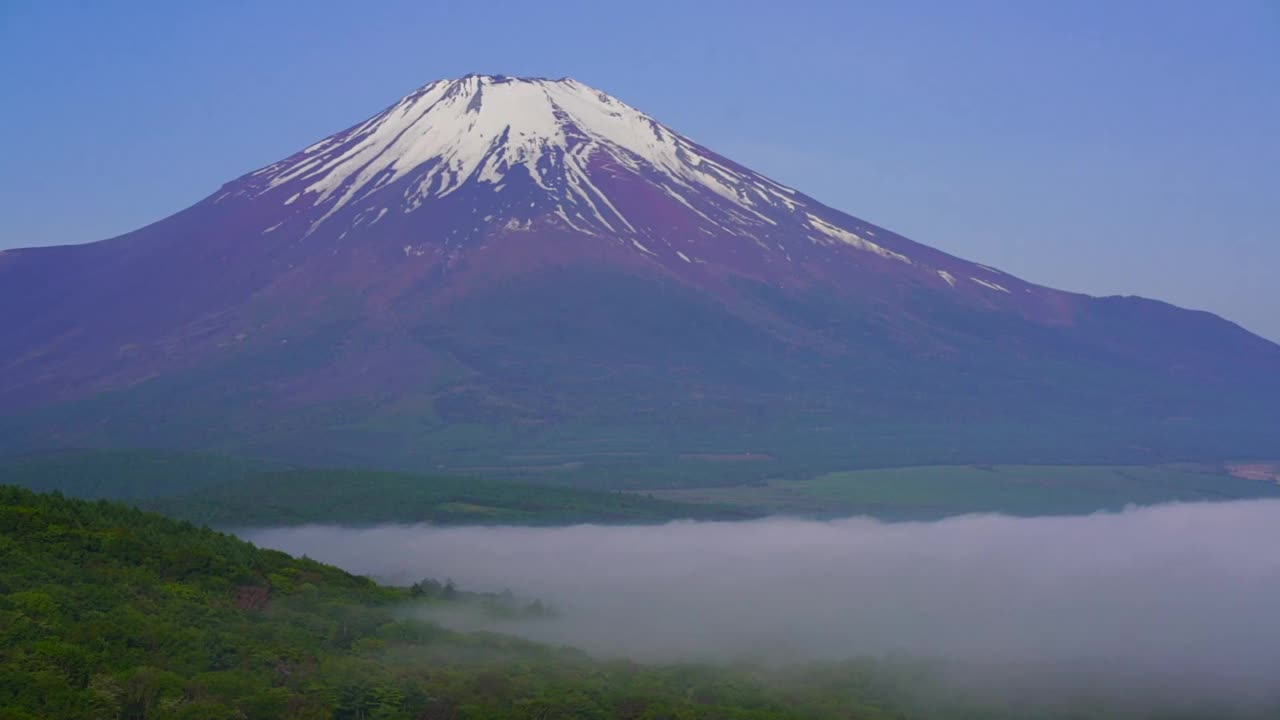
[(111, 612), (108, 611)]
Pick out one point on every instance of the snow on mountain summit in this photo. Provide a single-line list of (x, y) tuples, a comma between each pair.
[(493, 267), (463, 160), (480, 128)]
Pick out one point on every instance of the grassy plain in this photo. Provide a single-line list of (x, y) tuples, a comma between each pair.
[(942, 490)]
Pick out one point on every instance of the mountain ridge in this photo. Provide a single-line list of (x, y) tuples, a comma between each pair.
[(499, 252)]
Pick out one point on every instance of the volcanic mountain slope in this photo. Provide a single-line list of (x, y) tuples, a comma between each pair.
[(495, 262)]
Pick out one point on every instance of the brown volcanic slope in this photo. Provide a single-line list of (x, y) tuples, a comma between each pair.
[(493, 265)]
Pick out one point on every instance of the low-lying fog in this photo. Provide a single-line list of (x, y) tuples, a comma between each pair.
[(1174, 591)]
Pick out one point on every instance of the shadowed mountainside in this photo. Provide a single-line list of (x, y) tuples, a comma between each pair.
[(496, 265)]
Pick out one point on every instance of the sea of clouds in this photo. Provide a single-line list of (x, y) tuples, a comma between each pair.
[(1185, 595)]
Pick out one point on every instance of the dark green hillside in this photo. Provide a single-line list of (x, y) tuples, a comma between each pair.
[(367, 496), (111, 612), (124, 474), (229, 491)]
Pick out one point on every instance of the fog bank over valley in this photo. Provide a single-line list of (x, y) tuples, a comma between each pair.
[(1188, 592)]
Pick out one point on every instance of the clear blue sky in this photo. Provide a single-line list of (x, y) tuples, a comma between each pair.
[(1106, 147)]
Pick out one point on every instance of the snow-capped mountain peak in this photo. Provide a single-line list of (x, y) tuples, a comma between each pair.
[(458, 163), (538, 258), (481, 128)]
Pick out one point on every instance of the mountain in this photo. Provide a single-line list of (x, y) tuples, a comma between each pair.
[(525, 273)]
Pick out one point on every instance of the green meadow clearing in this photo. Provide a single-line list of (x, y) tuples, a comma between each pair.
[(942, 490)]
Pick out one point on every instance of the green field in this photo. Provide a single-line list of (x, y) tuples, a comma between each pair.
[(364, 497), (233, 492), (942, 490)]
